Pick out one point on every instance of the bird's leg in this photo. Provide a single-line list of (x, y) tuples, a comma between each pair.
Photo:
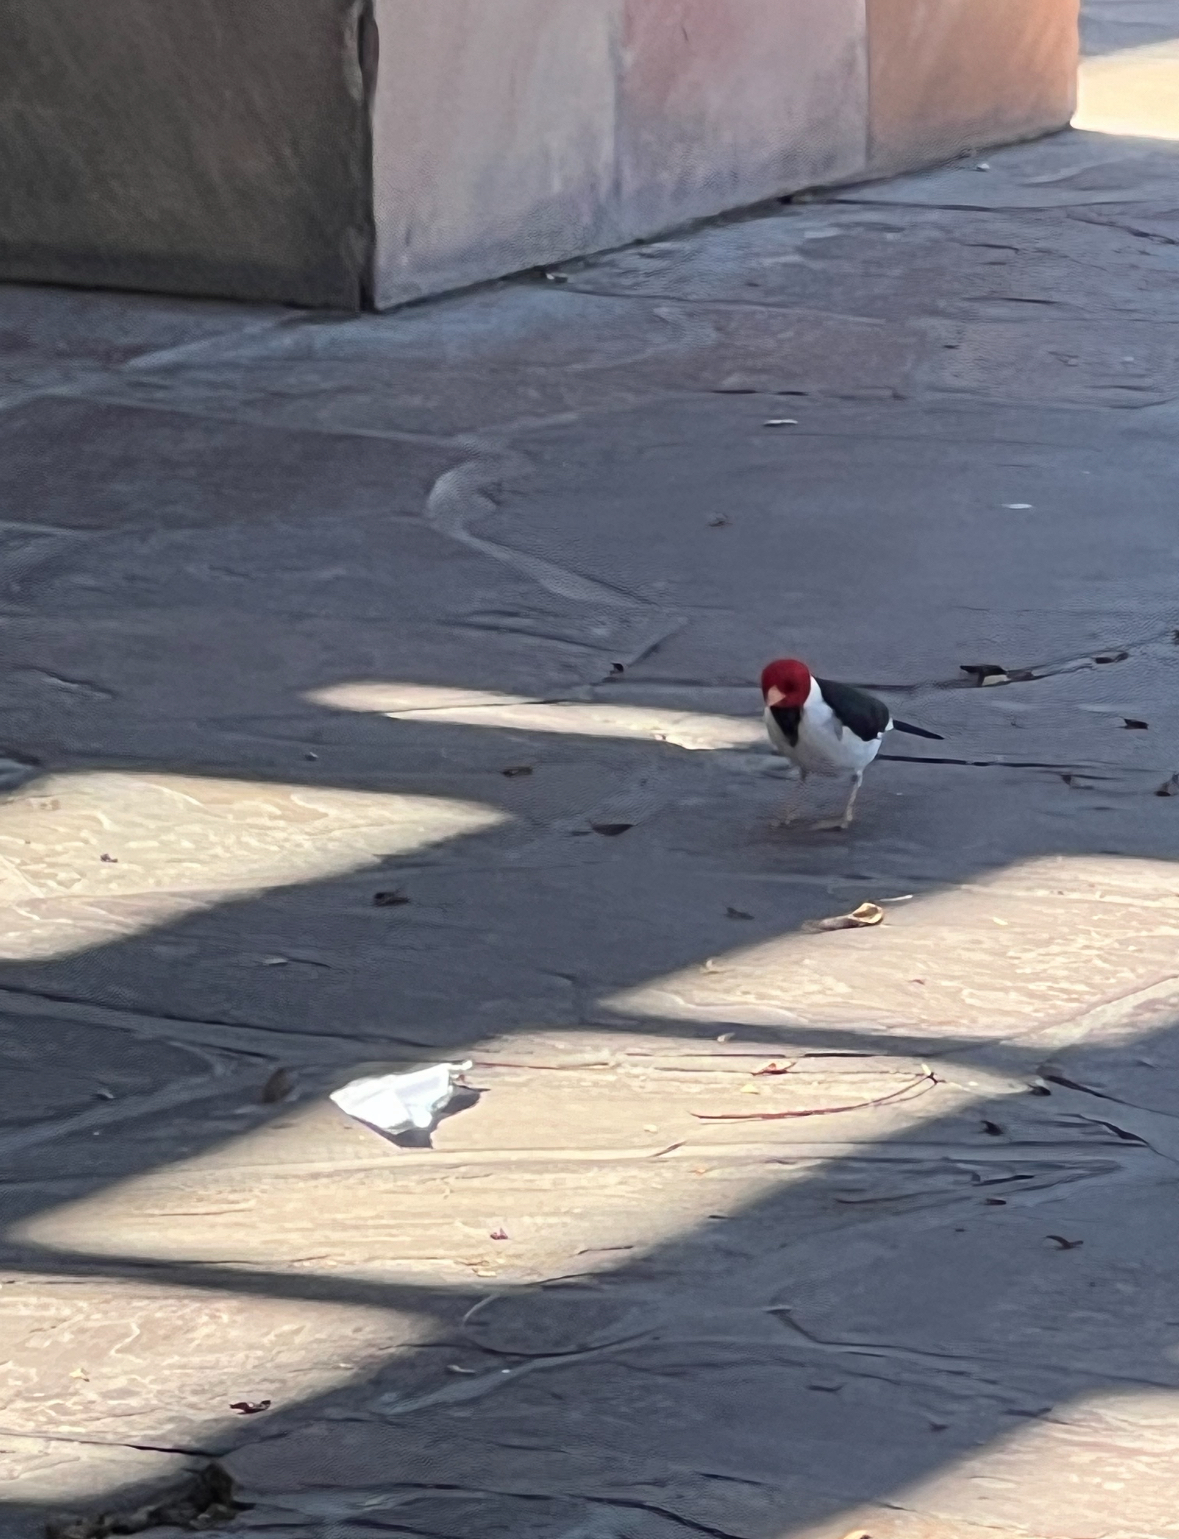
[(791, 810), (849, 810), (839, 824)]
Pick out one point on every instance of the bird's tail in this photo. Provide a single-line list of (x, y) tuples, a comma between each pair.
[(905, 726)]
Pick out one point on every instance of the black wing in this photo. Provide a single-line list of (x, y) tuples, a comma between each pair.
[(860, 713), (788, 718)]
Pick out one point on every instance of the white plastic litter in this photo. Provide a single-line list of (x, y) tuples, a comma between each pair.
[(393, 1103)]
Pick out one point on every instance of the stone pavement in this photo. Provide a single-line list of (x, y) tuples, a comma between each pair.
[(467, 604)]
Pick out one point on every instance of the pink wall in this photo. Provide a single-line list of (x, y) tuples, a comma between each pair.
[(510, 133)]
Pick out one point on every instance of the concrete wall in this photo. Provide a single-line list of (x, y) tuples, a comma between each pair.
[(259, 149), (508, 133), (190, 146), (511, 133), (953, 75)]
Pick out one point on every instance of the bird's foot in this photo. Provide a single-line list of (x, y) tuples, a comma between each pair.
[(831, 826)]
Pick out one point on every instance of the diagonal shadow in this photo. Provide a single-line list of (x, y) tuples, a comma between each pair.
[(860, 1325), (684, 1287)]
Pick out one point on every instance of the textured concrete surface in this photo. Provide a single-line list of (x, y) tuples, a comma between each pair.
[(297, 611)]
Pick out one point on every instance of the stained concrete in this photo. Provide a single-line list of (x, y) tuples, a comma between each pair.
[(751, 1231)]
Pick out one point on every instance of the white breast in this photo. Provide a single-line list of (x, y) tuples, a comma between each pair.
[(825, 746)]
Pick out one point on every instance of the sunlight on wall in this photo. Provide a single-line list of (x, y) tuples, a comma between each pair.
[(90, 858), (1133, 92)]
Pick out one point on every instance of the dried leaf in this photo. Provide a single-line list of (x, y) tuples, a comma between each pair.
[(981, 672), (737, 913), (389, 899), (927, 1080), (514, 771), (611, 830), (859, 919), (499, 1234), (1135, 724), (1064, 1244), (109, 860), (773, 1068), (277, 1087), (249, 1407)]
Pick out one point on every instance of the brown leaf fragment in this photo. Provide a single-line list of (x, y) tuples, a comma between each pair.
[(249, 1407), (773, 1068), (984, 673), (859, 919)]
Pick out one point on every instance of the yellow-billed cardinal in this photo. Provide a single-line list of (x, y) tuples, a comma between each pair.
[(826, 728)]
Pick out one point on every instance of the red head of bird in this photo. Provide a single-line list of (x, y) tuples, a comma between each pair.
[(786, 682)]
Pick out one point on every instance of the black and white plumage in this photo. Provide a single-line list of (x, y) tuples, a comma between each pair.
[(826, 728)]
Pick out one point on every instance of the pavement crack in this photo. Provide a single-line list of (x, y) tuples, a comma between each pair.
[(465, 493), (75, 1440)]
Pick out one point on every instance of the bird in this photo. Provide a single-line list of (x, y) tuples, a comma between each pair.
[(826, 728)]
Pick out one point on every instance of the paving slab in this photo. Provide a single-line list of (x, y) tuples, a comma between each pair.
[(382, 691)]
